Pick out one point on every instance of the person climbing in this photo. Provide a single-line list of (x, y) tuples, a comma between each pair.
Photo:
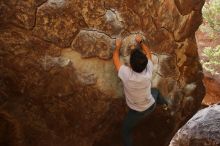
[(136, 78)]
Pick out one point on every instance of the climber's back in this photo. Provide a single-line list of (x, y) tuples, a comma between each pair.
[(137, 81)]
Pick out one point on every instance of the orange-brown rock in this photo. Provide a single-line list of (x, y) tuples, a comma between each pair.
[(58, 82), (212, 91)]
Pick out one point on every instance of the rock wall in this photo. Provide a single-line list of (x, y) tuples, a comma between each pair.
[(57, 79)]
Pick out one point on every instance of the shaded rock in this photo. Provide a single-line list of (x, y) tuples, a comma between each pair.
[(10, 130), (188, 27), (202, 129), (186, 6)]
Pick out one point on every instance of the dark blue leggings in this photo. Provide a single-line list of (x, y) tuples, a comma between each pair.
[(134, 117)]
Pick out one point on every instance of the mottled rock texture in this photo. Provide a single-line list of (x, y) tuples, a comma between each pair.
[(201, 130), (58, 85)]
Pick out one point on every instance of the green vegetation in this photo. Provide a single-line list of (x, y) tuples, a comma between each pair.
[(212, 63), (211, 26), (211, 15)]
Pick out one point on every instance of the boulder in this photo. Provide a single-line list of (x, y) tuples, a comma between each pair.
[(58, 81), (201, 130)]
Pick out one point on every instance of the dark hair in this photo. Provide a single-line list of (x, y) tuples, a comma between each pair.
[(138, 60)]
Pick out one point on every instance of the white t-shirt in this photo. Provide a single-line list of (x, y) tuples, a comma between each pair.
[(137, 87)]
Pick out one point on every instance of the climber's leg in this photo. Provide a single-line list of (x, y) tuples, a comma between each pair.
[(131, 120), (158, 97)]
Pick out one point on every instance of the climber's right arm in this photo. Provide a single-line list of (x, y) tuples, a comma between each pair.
[(146, 50)]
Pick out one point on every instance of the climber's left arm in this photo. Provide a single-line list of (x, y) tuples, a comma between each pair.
[(116, 58)]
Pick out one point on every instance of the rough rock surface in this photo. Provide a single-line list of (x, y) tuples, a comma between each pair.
[(201, 130), (58, 85)]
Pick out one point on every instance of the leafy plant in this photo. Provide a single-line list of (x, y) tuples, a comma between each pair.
[(212, 60), (211, 26), (211, 15)]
